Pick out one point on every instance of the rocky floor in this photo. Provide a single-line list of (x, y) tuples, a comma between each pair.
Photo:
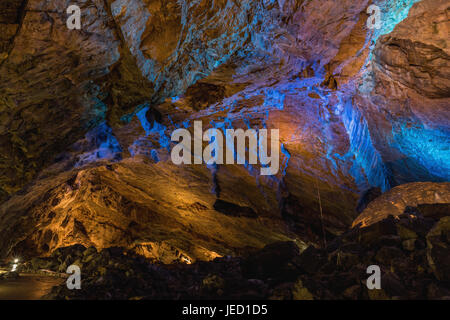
[(411, 249)]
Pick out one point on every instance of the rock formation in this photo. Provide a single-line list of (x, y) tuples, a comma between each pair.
[(86, 118)]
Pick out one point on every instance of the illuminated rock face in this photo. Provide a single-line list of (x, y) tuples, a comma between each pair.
[(55, 84), (408, 107), (356, 109), (399, 198), (159, 210)]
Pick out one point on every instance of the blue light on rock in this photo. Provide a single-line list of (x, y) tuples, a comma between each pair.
[(430, 148), (104, 146), (393, 12)]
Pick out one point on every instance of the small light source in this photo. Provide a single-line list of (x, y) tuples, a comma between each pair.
[(186, 260), (14, 266)]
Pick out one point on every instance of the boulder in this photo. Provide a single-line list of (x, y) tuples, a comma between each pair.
[(438, 249)]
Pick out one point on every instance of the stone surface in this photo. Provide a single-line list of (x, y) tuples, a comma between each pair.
[(274, 272), (54, 84), (137, 205), (406, 101), (438, 249), (399, 198), (86, 118)]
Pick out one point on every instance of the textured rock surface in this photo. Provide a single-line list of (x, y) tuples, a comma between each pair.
[(279, 271), (10, 19), (161, 211), (48, 91)]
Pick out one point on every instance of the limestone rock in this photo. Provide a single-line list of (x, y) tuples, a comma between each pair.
[(396, 200)]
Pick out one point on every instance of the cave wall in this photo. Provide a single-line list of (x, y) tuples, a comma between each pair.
[(357, 108)]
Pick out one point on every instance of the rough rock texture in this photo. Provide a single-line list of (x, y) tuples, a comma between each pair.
[(86, 118), (412, 252), (408, 99), (396, 200), (141, 206), (10, 18)]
